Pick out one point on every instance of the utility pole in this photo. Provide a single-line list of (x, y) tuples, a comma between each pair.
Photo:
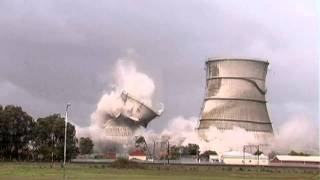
[(65, 139), (180, 151), (51, 134), (244, 154), (258, 154), (154, 151), (168, 152)]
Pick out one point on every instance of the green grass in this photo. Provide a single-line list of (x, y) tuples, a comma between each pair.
[(33, 171)]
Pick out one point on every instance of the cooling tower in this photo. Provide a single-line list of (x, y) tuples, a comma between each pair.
[(132, 115), (235, 96)]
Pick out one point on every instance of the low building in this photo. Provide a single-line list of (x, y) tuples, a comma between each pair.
[(137, 155), (287, 159), (238, 157), (214, 159)]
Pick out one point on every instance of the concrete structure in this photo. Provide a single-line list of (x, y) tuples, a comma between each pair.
[(137, 155), (235, 97), (287, 159), (238, 157), (131, 116)]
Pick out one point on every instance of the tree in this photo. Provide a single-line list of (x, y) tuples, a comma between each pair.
[(294, 153), (49, 138), (175, 152), (85, 145), (191, 149), (15, 132), (207, 153)]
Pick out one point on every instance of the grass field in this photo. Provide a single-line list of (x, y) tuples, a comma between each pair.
[(32, 171)]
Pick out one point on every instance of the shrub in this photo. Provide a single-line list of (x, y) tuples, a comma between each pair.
[(123, 163)]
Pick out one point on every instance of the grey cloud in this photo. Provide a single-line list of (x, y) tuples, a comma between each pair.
[(59, 51)]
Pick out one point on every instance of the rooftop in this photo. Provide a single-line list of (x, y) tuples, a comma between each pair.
[(137, 152), (239, 154), (298, 158)]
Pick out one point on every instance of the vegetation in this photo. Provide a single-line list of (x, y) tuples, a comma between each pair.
[(85, 145), (294, 153), (16, 131), (45, 171), (49, 138), (205, 155), (124, 163), (175, 152), (191, 149), (23, 138)]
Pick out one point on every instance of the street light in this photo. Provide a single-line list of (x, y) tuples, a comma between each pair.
[(65, 135)]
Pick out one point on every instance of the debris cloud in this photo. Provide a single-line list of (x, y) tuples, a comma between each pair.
[(128, 78)]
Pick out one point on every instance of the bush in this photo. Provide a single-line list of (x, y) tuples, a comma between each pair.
[(123, 163)]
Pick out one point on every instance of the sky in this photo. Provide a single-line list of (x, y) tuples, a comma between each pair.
[(58, 51)]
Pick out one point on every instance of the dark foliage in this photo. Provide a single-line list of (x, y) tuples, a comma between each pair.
[(123, 163), (16, 132), (49, 138), (206, 154), (85, 145), (294, 153), (175, 152), (22, 138), (191, 149)]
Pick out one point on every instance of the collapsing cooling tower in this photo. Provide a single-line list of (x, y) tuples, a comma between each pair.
[(132, 115), (235, 96)]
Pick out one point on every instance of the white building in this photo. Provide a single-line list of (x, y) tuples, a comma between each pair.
[(287, 159), (238, 157), (214, 159)]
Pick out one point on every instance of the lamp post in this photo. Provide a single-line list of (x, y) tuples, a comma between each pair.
[(65, 136)]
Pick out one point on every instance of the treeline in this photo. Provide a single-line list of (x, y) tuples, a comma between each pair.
[(175, 152), (189, 150), (23, 138)]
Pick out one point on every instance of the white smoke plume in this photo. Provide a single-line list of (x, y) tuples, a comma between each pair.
[(182, 131), (126, 77), (298, 134)]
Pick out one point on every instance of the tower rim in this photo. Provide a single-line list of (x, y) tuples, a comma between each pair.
[(215, 59)]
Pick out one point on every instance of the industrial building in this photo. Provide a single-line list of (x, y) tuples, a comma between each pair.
[(235, 97), (296, 160), (238, 157)]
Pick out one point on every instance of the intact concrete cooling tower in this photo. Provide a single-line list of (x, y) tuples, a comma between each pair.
[(235, 96)]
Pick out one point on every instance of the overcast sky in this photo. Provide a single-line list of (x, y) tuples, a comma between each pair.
[(53, 52)]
